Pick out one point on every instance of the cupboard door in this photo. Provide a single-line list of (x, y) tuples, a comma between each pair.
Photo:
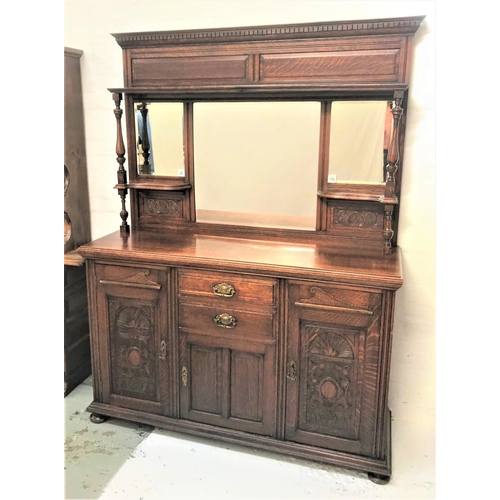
[(332, 367), (228, 383), (132, 328)]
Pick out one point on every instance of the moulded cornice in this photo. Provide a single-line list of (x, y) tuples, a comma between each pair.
[(399, 26)]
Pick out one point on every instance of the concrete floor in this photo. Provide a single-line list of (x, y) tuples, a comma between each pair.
[(129, 461)]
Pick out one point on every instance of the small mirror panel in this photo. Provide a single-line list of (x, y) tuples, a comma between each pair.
[(256, 163), (160, 146), (359, 137)]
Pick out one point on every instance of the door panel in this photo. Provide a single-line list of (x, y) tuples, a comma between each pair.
[(132, 319), (228, 383), (332, 366)]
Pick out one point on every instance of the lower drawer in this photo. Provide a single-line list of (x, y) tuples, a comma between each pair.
[(226, 321)]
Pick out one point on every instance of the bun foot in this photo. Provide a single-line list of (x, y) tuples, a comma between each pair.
[(378, 478), (95, 418)]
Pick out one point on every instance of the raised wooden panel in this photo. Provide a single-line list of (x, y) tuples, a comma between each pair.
[(229, 383), (379, 65), (205, 381), (181, 70), (247, 386)]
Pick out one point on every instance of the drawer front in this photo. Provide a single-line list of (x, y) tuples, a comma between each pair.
[(134, 277), (349, 300), (225, 321), (228, 288)]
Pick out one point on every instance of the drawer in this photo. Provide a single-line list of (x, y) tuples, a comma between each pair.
[(225, 321), (136, 277), (227, 287), (349, 300)]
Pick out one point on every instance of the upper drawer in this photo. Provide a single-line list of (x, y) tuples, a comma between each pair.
[(136, 277), (320, 296), (226, 287)]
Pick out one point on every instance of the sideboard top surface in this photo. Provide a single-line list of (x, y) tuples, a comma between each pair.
[(299, 258)]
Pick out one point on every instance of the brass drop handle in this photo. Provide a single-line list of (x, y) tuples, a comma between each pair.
[(163, 350), (184, 376), (224, 290), (225, 320), (291, 373)]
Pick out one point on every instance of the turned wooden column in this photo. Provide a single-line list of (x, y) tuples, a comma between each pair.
[(390, 199), (120, 158), (145, 144)]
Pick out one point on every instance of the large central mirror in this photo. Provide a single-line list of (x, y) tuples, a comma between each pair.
[(256, 163)]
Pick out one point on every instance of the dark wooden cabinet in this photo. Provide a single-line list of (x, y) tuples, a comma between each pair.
[(76, 227), (273, 337)]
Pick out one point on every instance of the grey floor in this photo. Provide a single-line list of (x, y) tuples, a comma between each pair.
[(129, 461)]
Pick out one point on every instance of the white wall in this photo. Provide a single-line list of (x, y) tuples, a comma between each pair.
[(88, 24)]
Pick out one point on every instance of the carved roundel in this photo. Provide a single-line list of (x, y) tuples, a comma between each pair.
[(134, 357), (329, 389)]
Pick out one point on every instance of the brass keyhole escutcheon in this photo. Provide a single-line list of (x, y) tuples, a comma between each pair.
[(163, 350), (291, 373), (184, 376)]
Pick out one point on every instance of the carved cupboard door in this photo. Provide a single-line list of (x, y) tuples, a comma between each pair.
[(333, 366), (228, 383), (133, 328)]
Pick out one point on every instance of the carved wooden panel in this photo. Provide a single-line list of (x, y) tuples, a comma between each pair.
[(355, 219), (133, 359), (158, 208), (331, 365)]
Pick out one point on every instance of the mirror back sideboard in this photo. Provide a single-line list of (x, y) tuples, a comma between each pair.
[(275, 337)]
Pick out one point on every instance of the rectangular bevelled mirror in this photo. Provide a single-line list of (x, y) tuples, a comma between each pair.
[(160, 138), (359, 137), (256, 163)]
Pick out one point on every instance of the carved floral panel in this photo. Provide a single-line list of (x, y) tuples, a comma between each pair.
[(132, 330), (329, 367)]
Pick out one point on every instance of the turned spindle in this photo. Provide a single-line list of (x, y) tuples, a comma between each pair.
[(145, 144), (390, 198), (120, 158)]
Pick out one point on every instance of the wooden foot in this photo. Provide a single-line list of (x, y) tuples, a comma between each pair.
[(378, 478), (95, 418)]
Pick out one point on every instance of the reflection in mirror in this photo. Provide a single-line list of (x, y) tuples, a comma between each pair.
[(256, 164), (159, 133), (360, 132)]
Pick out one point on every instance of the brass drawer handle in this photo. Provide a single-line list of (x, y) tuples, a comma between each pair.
[(225, 320), (224, 290)]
